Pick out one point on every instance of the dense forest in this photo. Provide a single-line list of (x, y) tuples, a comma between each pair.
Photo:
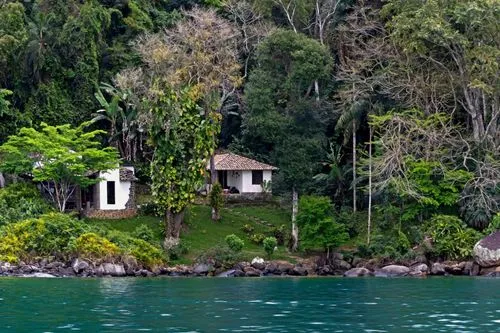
[(388, 110)]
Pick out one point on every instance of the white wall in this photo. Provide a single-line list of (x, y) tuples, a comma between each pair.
[(234, 179), (248, 187), (122, 190)]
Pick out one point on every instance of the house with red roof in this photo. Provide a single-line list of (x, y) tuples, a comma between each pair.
[(243, 175)]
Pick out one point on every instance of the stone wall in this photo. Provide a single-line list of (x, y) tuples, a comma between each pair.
[(111, 214)]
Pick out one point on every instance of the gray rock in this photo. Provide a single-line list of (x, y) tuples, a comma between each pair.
[(395, 270), (359, 271), (342, 264), (79, 265), (111, 269), (229, 273), (284, 267), (54, 264), (271, 268), (258, 263), (299, 271), (201, 269), (252, 272), (487, 250), (420, 268), (489, 271), (438, 269)]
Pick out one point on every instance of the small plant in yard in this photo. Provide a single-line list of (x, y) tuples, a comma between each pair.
[(145, 233), (234, 242), (247, 228), (257, 238), (216, 201), (269, 245)]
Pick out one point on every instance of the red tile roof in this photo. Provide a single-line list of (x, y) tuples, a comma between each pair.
[(230, 161)]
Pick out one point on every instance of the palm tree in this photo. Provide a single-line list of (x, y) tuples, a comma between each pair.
[(39, 44)]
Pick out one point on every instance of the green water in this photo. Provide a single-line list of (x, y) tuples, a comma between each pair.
[(250, 305)]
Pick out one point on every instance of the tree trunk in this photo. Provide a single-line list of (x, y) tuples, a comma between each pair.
[(369, 189), (295, 229), (173, 223), (215, 214), (354, 178), (2, 181)]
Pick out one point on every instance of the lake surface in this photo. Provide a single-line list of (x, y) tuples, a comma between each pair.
[(250, 305)]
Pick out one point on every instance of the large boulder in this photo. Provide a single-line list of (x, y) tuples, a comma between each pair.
[(201, 269), (358, 271), (258, 263), (395, 270), (490, 271), (79, 265), (419, 270), (438, 269), (487, 250), (111, 269)]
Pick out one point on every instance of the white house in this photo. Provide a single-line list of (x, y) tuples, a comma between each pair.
[(239, 174), (113, 196)]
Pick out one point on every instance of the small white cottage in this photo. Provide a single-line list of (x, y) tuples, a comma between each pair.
[(113, 196), (239, 174)]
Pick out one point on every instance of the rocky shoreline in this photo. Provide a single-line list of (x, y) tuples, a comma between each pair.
[(257, 268)]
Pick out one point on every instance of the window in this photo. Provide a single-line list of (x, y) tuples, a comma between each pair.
[(257, 177), (111, 193)]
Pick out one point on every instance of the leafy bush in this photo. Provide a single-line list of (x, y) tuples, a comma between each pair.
[(257, 238), (235, 243), (50, 234), (279, 233), (146, 254), (92, 246), (451, 237), (145, 233), (317, 226), (248, 228), (148, 209), (221, 256), (269, 245), (216, 199), (494, 225), (175, 252), (21, 201)]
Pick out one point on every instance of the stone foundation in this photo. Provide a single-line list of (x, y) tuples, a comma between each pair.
[(111, 214)]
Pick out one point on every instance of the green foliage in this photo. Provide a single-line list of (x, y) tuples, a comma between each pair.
[(317, 226), (146, 254), (145, 233), (216, 198), (234, 243), (176, 252), (48, 235), (181, 151), (281, 233), (247, 228), (452, 239), (91, 246), (21, 201), (270, 244), (494, 225), (58, 156), (257, 238), (220, 256)]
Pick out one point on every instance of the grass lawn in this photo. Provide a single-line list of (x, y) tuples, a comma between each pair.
[(201, 233)]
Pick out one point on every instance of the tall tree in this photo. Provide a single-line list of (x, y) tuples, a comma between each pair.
[(201, 52), (284, 117)]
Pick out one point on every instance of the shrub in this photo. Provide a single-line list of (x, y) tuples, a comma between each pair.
[(216, 200), (92, 246), (21, 201), (221, 256), (248, 228), (235, 243), (50, 234), (148, 209), (269, 245), (145, 233), (451, 237), (146, 254), (175, 252), (317, 226), (279, 233), (257, 238), (494, 225)]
